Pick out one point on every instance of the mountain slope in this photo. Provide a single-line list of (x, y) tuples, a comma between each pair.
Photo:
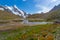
[(39, 16), (11, 12), (56, 8), (4, 15), (54, 14)]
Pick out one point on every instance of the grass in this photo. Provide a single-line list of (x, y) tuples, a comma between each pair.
[(41, 32), (4, 15), (4, 22), (17, 20), (35, 20)]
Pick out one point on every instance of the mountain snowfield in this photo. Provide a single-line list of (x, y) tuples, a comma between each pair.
[(13, 9)]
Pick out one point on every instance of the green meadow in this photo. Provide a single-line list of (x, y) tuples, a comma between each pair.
[(25, 32)]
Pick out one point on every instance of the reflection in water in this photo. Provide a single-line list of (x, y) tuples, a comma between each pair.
[(25, 21), (35, 23)]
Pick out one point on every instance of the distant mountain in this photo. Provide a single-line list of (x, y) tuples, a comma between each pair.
[(54, 14), (4, 15), (11, 12), (38, 15), (14, 9), (56, 8)]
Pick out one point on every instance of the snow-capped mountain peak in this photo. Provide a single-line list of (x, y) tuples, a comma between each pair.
[(20, 11), (14, 9)]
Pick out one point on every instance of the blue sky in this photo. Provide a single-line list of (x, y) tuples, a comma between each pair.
[(32, 6)]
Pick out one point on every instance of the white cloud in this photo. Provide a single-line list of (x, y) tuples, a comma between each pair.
[(45, 5), (43, 9), (54, 0), (37, 0), (2, 9), (24, 0), (38, 11)]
